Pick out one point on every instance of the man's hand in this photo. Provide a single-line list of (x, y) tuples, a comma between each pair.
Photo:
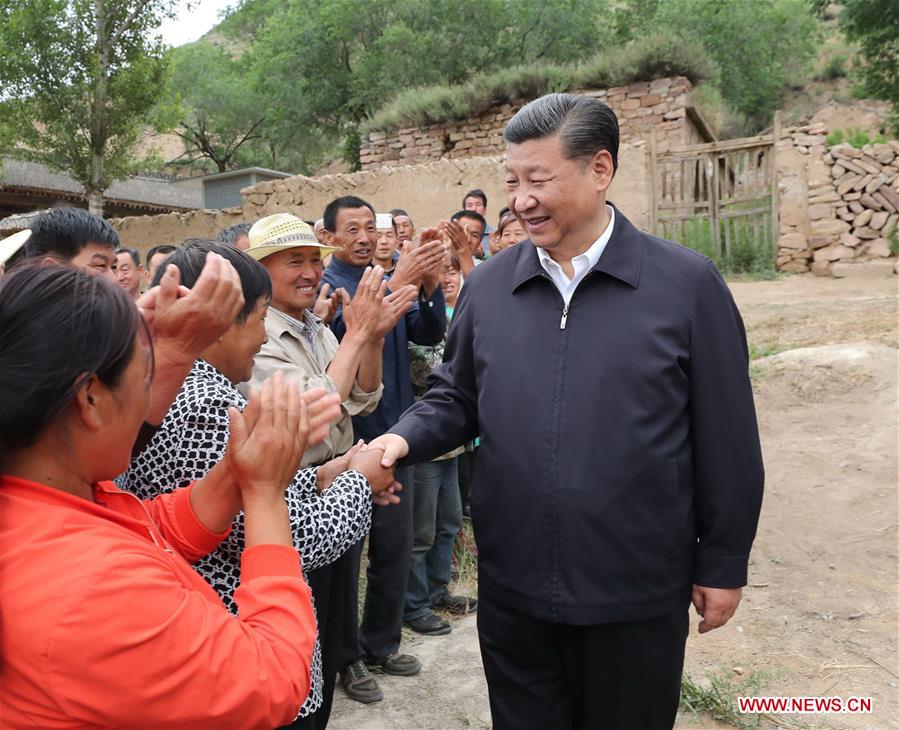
[(367, 461), (323, 409), (362, 314), (328, 472), (190, 320), (326, 304), (461, 246), (394, 448), (715, 605), (414, 264), (393, 307)]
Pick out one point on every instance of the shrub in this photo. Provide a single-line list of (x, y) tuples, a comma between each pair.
[(652, 57), (835, 68), (858, 138)]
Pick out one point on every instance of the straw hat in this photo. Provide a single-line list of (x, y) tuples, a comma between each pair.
[(11, 244), (281, 232)]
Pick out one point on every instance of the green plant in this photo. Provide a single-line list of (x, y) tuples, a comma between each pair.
[(834, 68), (465, 560), (858, 138), (654, 56), (894, 243), (751, 251), (717, 697)]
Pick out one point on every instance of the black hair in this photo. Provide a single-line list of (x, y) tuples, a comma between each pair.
[(475, 194), (132, 252), (190, 257), (232, 233), (63, 232), (338, 204), (585, 125), (58, 326), (164, 248), (474, 215), (502, 212), (399, 211)]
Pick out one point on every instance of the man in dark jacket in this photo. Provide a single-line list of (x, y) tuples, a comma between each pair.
[(620, 472), (349, 224)]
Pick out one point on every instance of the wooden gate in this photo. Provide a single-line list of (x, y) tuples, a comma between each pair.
[(719, 198)]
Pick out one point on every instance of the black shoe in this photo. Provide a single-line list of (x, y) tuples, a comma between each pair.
[(359, 684), (459, 605), (429, 625), (400, 665)]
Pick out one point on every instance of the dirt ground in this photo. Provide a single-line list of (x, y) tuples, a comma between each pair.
[(819, 616)]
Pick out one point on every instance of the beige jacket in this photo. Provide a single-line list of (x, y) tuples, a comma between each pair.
[(288, 351)]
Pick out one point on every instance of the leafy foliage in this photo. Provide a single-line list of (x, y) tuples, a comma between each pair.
[(220, 116), (326, 65), (642, 60), (80, 78), (874, 25)]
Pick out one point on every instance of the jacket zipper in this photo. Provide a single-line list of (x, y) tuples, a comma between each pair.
[(564, 317), (151, 527)]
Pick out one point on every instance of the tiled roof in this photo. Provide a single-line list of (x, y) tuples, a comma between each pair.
[(16, 173)]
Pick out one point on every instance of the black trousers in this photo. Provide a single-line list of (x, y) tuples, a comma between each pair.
[(616, 676), (389, 554), (331, 586)]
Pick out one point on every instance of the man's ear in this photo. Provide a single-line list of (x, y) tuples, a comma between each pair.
[(87, 403), (603, 170)]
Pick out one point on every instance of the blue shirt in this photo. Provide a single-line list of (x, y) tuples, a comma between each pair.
[(423, 324)]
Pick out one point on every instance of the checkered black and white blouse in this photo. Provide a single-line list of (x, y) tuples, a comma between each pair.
[(192, 439)]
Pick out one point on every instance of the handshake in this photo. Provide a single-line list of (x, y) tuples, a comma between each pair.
[(278, 424), (366, 459)]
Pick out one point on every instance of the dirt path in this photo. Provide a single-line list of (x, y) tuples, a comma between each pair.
[(820, 614)]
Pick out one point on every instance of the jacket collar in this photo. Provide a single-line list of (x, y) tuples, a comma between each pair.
[(345, 270), (621, 259)]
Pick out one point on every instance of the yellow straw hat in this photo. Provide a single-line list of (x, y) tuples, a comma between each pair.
[(281, 232)]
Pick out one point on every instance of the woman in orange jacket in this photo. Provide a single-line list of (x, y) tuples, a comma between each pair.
[(103, 623)]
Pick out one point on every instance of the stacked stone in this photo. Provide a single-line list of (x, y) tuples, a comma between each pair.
[(852, 208), (661, 103), (867, 185)]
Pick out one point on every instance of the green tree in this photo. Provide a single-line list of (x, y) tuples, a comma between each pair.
[(874, 25), (325, 65), (761, 47), (220, 115), (80, 77)]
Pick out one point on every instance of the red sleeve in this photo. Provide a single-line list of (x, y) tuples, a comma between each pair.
[(139, 647), (174, 516)]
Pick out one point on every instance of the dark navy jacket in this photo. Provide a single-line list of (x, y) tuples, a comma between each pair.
[(620, 459), (424, 324)]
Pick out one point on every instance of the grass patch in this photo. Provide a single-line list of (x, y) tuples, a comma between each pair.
[(767, 349), (717, 697), (465, 562), (645, 59), (856, 137), (751, 253)]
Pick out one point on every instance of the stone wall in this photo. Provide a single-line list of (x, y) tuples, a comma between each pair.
[(430, 191), (666, 104), (145, 231), (838, 206)]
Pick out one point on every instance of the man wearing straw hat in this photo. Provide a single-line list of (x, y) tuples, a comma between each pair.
[(305, 350)]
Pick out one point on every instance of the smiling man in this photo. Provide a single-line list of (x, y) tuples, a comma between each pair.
[(619, 475), (350, 225)]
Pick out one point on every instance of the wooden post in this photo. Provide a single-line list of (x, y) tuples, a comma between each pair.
[(653, 202), (775, 192)]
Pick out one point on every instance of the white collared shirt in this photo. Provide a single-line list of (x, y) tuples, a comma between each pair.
[(582, 263)]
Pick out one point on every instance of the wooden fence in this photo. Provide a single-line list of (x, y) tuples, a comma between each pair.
[(718, 197)]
